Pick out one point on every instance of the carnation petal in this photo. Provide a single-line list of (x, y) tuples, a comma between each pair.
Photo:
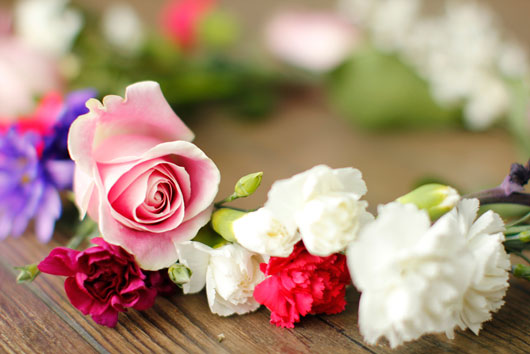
[(60, 261), (195, 256)]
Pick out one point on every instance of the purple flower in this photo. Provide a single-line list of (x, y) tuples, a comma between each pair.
[(30, 182), (75, 105), (25, 191)]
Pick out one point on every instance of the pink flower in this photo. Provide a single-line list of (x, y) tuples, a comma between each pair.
[(102, 280), (303, 284), (316, 41), (138, 175), (24, 75), (180, 20)]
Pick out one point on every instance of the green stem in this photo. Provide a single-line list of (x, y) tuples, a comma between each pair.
[(86, 229), (226, 200), (519, 221)]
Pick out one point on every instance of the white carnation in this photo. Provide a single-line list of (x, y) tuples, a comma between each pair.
[(260, 232), (484, 238), (416, 278), (230, 274), (331, 221), (323, 204)]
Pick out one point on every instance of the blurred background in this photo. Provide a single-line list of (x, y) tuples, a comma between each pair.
[(406, 91)]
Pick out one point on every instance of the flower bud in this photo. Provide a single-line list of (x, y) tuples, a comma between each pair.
[(27, 273), (248, 184), (436, 199), (179, 274), (521, 271), (222, 222)]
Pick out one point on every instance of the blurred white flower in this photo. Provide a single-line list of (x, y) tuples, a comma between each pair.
[(323, 204), (359, 11), (453, 51), (513, 61), (24, 74), (391, 23), (122, 27), (48, 25), (417, 279), (260, 232), (316, 41), (487, 102), (230, 274)]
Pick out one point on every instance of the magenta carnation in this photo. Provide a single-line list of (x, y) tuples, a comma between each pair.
[(102, 280), (303, 284)]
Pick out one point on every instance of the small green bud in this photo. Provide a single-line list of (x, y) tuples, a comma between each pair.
[(179, 274), (248, 184), (436, 199), (27, 273), (222, 221), (524, 236), (521, 271)]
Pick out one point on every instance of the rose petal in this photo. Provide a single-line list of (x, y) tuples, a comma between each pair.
[(203, 173)]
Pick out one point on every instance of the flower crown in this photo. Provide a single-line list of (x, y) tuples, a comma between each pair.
[(427, 263)]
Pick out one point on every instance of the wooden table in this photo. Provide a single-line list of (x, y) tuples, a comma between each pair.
[(39, 318)]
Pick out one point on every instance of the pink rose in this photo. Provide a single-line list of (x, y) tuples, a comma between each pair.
[(138, 175), (303, 284), (102, 280)]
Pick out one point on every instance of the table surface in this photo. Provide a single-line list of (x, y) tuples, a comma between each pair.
[(302, 133)]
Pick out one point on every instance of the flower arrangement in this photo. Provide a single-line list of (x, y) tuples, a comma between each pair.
[(426, 263), (151, 221)]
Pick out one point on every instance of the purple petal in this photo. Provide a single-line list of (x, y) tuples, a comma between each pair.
[(49, 211)]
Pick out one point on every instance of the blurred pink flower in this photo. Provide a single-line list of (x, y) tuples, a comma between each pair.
[(316, 41), (24, 75), (180, 20), (138, 175), (5, 22)]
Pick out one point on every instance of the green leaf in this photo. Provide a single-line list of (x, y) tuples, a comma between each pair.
[(378, 91)]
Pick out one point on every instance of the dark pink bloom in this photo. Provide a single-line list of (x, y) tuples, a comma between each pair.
[(303, 284), (180, 20), (102, 280)]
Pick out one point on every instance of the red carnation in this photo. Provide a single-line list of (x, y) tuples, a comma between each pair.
[(102, 280), (303, 283)]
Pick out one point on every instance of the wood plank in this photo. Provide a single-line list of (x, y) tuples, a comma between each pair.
[(28, 325)]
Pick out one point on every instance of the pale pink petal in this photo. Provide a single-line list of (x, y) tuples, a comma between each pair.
[(123, 148), (81, 137), (153, 251), (316, 41), (144, 111), (83, 190)]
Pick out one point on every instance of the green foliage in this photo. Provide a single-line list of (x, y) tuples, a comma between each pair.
[(377, 91)]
